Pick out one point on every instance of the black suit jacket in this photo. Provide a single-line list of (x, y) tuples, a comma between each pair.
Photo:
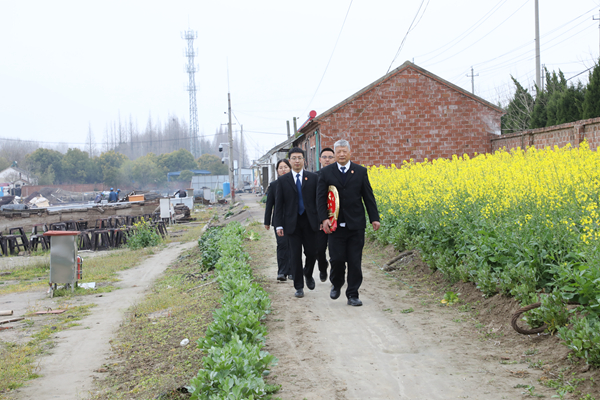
[(356, 191), (269, 212), (286, 201)]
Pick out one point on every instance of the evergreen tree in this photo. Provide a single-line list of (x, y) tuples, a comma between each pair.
[(539, 115), (556, 86), (570, 104), (41, 159), (47, 178), (591, 103)]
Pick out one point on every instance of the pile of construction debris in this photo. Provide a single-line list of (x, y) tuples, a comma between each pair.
[(182, 213), (39, 201), (55, 196)]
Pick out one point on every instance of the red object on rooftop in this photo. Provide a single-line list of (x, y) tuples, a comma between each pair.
[(311, 116)]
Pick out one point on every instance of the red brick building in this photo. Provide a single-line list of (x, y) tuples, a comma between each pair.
[(409, 113)]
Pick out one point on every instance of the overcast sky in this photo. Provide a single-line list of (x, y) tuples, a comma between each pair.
[(67, 65)]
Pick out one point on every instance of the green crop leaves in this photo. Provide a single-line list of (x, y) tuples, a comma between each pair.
[(234, 365)]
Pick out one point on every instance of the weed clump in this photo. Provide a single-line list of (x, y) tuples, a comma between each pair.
[(144, 235)]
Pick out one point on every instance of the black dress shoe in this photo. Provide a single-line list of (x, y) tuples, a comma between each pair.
[(323, 276), (299, 293), (281, 277), (310, 282), (354, 301), (291, 277), (335, 293)]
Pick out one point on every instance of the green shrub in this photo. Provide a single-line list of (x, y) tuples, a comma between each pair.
[(209, 245), (583, 338), (143, 235)]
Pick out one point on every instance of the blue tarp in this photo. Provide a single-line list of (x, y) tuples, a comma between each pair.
[(195, 171)]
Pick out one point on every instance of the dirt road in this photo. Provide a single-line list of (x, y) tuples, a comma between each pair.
[(68, 373), (329, 350)]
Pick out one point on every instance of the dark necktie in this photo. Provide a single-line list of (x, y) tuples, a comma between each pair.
[(343, 175), (300, 200)]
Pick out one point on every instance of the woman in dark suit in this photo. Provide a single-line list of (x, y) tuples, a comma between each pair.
[(283, 264)]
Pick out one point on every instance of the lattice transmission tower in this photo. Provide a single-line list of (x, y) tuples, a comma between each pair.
[(191, 69)]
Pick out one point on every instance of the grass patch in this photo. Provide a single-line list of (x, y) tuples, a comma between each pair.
[(148, 360), (100, 269), (19, 360), (38, 268), (192, 231)]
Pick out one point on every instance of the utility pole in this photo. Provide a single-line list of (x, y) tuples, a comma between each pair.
[(597, 19), (472, 80), (538, 78), (288, 128), (191, 69), (230, 134), (295, 127), (240, 158)]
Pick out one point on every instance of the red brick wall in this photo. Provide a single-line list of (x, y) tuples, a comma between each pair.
[(411, 116), (559, 135)]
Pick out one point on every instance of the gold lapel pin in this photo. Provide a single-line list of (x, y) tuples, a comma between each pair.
[(305, 178), (351, 172)]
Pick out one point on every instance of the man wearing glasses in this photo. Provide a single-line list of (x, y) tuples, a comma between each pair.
[(296, 216), (327, 157)]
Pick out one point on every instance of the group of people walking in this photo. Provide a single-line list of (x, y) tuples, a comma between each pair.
[(297, 208)]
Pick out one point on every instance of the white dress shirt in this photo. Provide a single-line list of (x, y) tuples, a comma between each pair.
[(294, 173), (347, 166), (343, 224)]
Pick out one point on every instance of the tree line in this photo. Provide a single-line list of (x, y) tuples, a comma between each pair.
[(123, 162), (557, 102), (126, 138)]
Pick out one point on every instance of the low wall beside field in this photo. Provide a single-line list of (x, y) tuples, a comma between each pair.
[(572, 133)]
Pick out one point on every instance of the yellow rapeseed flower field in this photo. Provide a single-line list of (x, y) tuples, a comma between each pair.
[(521, 222), (494, 217)]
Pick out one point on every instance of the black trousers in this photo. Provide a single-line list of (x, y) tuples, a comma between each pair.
[(322, 239), (345, 247), (284, 266), (302, 238)]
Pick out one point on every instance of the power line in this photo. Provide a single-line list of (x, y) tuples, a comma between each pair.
[(479, 39), (378, 87), (582, 72), (410, 28), (522, 55), (267, 133), (330, 57), (465, 34)]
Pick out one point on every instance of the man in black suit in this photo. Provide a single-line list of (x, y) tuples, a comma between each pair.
[(347, 241), (327, 157), (296, 216)]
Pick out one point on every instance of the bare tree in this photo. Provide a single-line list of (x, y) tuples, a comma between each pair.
[(90, 144), (15, 150)]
